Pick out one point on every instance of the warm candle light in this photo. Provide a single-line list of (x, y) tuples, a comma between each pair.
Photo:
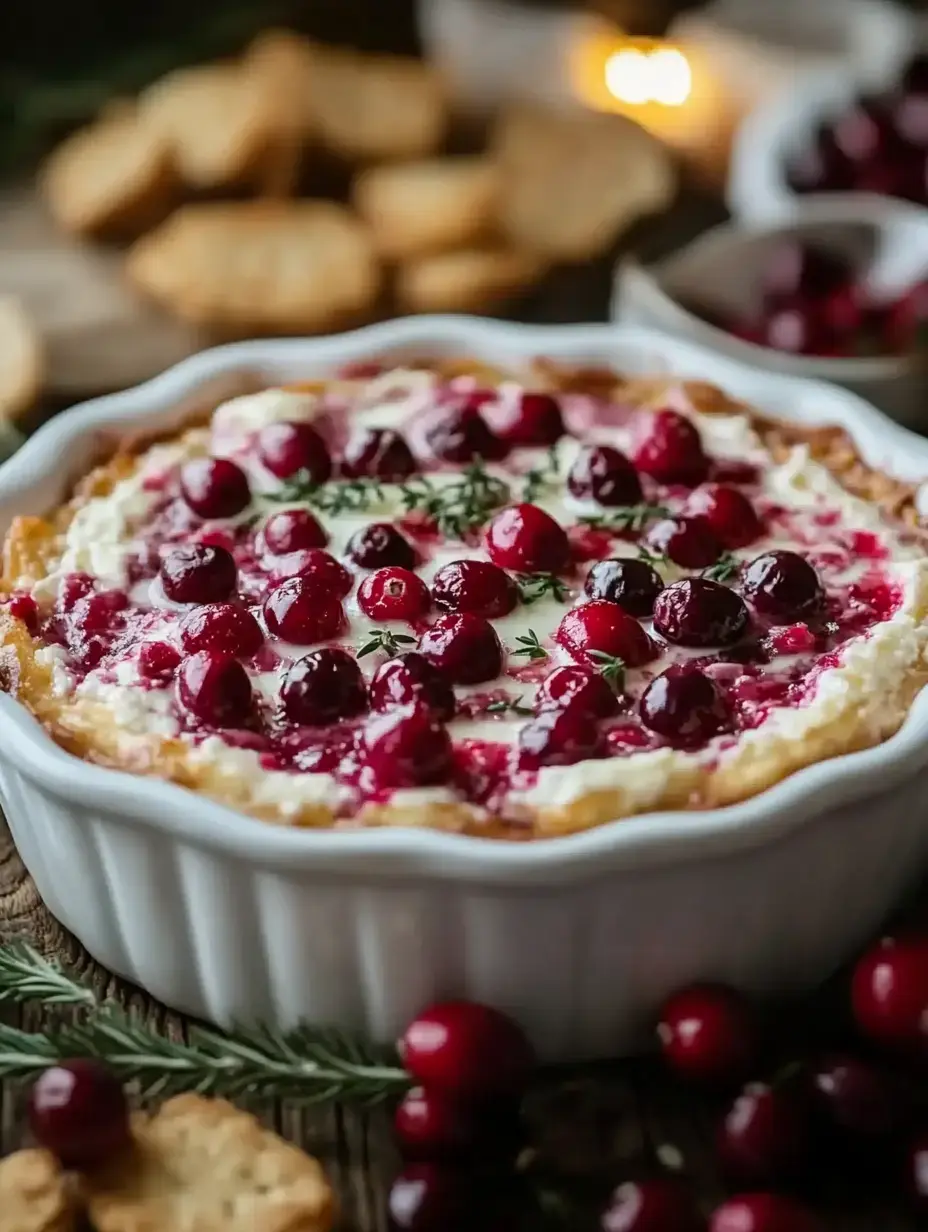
[(663, 76)]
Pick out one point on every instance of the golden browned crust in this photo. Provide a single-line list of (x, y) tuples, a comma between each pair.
[(34, 1194)]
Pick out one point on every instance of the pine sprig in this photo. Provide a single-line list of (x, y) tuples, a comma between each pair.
[(26, 976), (535, 586), (626, 517), (384, 639), (344, 496), (460, 507)]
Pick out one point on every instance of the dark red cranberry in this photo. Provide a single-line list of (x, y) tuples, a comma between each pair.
[(801, 327), (288, 448), (794, 267), (320, 571), (916, 1172), (889, 992), (93, 621), (409, 678), (474, 586), (527, 540), (298, 612), (467, 1050), (407, 747), (157, 661), (670, 449), (659, 1205), (764, 1137), (783, 585), (576, 688), (427, 1198), (463, 435), (378, 453), (763, 1212), (429, 1125), (532, 419), (73, 587), (77, 1110), (221, 626), (291, 530), (603, 474), (25, 608), (559, 738), (380, 544), (688, 542), (196, 573), (603, 628), (698, 612), (683, 706), (708, 1033), (857, 1097), (324, 686), (394, 594), (728, 511), (464, 647), (633, 584), (214, 688), (214, 487)]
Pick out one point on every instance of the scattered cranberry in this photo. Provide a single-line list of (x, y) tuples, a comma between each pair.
[(660, 1205), (527, 540), (378, 453), (856, 1097), (671, 450), (802, 328), (532, 419), (221, 626), (292, 530), (429, 1125), (633, 584), (379, 544), (683, 706), (474, 586), (889, 992), (763, 1212), (77, 1110), (467, 1050), (195, 573), (605, 475), (214, 688), (25, 608), (603, 628), (214, 487), (409, 678), (559, 738), (297, 612), (426, 1198), (698, 612), (394, 594), (288, 448), (464, 647), (796, 268), (764, 1137), (783, 585), (323, 687), (407, 747), (319, 570), (708, 1033), (74, 586), (917, 1172), (463, 435), (158, 661), (576, 688), (728, 511), (688, 542)]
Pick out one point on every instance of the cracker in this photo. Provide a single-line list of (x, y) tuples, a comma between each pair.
[(201, 1165), (284, 63), (573, 181), (34, 1196), (467, 280), (260, 266), (21, 359), (427, 206)]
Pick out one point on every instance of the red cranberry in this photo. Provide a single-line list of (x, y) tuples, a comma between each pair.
[(214, 487), (288, 448), (796, 268), (214, 688), (292, 530), (474, 586), (426, 1198), (409, 678), (763, 1212), (889, 992), (463, 435), (783, 585), (917, 1172), (660, 1205), (394, 594), (576, 688), (74, 587), (683, 706), (24, 608), (77, 1110), (559, 738), (904, 322), (697, 612), (689, 542), (464, 647), (297, 612), (195, 573), (708, 1033), (379, 544), (633, 584), (322, 687), (764, 1137), (429, 1125), (407, 747), (532, 419), (671, 450), (378, 453), (728, 511), (157, 661), (801, 327), (221, 626), (604, 628), (857, 1098), (605, 475), (467, 1050), (527, 540), (321, 572)]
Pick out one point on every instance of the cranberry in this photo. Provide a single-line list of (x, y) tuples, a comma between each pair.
[(796, 268), (408, 678), (323, 687), (728, 511), (857, 1098), (394, 594), (467, 1050), (698, 612), (320, 571), (803, 327), (904, 323), (425, 1198), (633, 584), (291, 530), (157, 661), (77, 1110), (297, 612), (708, 1034), (74, 587), (671, 450), (603, 628), (195, 573), (689, 542), (378, 453), (25, 608), (214, 487), (559, 738), (214, 688), (889, 992), (576, 688), (221, 626), (763, 1212), (407, 747), (379, 544), (528, 540), (532, 419), (917, 1172), (465, 647), (288, 448), (683, 706), (463, 435), (605, 475), (474, 586), (660, 1205), (764, 1137), (431, 1126), (783, 585)]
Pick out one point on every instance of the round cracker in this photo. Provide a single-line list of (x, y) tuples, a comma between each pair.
[(21, 359)]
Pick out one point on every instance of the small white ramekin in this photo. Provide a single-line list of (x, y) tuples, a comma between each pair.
[(581, 937)]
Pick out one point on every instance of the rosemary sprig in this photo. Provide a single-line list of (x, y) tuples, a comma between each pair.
[(510, 706), (530, 646), (540, 478), (535, 586), (611, 668), (724, 569), (626, 517), (459, 507), (384, 639), (344, 496), (26, 976)]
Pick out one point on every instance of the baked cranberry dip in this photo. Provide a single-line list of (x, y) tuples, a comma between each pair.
[(514, 604)]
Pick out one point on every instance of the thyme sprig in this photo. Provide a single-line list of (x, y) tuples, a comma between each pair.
[(725, 568), (459, 507), (626, 517), (611, 668), (386, 640), (510, 706), (530, 646), (535, 586), (341, 496), (541, 478)]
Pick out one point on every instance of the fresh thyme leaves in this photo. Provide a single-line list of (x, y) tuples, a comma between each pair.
[(535, 586), (390, 643), (508, 706), (654, 559), (626, 517), (724, 569), (611, 668), (530, 646), (345, 496), (541, 477), (459, 507)]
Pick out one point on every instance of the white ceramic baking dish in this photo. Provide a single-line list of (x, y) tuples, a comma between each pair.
[(579, 937)]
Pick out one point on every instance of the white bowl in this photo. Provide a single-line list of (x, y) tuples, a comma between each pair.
[(581, 937)]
